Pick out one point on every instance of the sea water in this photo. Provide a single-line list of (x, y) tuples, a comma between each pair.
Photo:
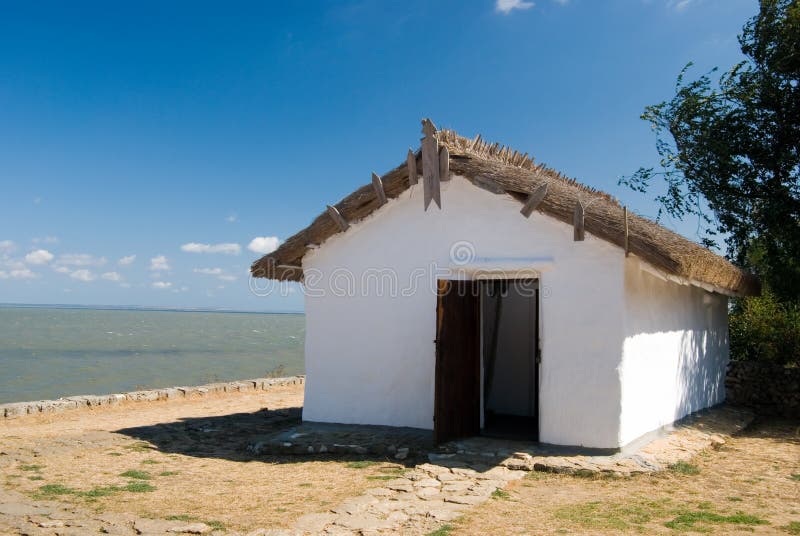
[(49, 352)]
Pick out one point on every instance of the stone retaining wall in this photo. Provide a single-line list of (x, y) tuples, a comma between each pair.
[(19, 409), (767, 388)]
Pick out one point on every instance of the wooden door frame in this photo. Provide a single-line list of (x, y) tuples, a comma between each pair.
[(536, 352)]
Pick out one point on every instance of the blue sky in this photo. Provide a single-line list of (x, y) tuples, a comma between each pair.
[(144, 145)]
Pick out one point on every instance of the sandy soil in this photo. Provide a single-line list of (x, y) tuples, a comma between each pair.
[(191, 452), (187, 459), (756, 473)]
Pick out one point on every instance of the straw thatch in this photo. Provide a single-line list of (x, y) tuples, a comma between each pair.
[(500, 169)]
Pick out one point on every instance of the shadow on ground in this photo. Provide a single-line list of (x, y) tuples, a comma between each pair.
[(778, 428), (231, 437)]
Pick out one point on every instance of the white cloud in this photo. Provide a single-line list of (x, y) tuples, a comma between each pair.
[(507, 6), (264, 244), (226, 248), (162, 284), (679, 5), (62, 269), (111, 276), (83, 275), (45, 240), (128, 259), (23, 273), (232, 218), (208, 271), (39, 256), (80, 259), (159, 263), (7, 246), (218, 272)]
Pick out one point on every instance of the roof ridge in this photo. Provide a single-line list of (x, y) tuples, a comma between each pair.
[(497, 152)]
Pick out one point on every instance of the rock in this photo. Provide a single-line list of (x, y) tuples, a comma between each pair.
[(402, 453), (447, 512), (314, 523), (22, 509), (363, 522), (355, 505), (191, 528), (465, 499), (16, 409), (427, 483), (400, 484), (50, 523)]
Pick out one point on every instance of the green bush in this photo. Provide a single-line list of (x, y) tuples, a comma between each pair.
[(765, 329)]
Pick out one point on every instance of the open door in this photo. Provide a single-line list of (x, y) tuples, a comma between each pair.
[(457, 404)]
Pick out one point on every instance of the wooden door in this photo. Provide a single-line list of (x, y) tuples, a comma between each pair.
[(458, 377)]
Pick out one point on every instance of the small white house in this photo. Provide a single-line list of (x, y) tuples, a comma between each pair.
[(472, 291)]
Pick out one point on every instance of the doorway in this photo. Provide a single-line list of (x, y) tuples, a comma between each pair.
[(487, 359), (509, 325)]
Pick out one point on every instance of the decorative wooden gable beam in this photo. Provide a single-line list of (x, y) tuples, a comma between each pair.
[(411, 163), (430, 164), (377, 185), (534, 200), (336, 217), (577, 222), (627, 237), (444, 164)]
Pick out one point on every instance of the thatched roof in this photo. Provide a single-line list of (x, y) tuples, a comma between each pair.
[(500, 169)]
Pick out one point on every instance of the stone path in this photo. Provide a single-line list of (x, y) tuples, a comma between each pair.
[(418, 502), (466, 473)]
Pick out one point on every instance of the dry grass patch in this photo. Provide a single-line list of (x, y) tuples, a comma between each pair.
[(83, 459), (745, 487)]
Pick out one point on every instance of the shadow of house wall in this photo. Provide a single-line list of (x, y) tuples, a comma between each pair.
[(675, 352)]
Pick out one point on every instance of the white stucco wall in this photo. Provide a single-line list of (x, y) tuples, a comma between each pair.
[(370, 359), (675, 351)]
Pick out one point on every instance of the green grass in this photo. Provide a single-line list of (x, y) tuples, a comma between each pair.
[(500, 494), (140, 446), (168, 473), (792, 528), (381, 477), (149, 462), (687, 520), (31, 467), (684, 468), (361, 464), (138, 487), (135, 474), (735, 499), (444, 530), (56, 489), (115, 454), (598, 515), (49, 491), (795, 477), (215, 525), (181, 517)]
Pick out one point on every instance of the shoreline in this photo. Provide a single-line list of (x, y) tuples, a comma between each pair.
[(14, 410)]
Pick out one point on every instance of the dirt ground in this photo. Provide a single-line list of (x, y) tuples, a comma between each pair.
[(750, 485), (178, 459), (187, 459)]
